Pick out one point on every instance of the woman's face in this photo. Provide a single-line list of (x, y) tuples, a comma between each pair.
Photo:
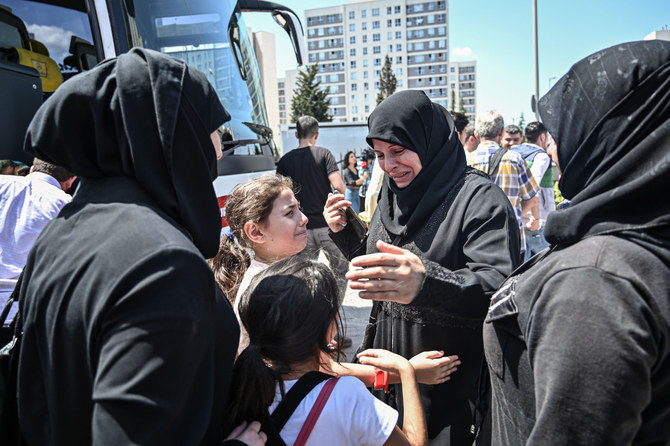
[(352, 159), (400, 164), (285, 229)]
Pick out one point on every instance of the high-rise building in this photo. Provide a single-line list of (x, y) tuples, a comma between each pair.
[(350, 43), (264, 48), (286, 86)]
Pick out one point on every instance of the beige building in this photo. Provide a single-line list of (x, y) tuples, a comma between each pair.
[(264, 47), (663, 34), (351, 41)]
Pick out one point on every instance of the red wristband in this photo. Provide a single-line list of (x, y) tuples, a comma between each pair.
[(381, 380)]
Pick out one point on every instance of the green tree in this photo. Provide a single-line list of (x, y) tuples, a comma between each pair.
[(453, 100), (522, 122), (461, 106), (387, 81), (309, 98)]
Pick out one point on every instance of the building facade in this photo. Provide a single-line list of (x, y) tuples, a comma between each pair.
[(350, 43)]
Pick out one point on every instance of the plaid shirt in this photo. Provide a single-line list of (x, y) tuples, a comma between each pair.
[(513, 177)]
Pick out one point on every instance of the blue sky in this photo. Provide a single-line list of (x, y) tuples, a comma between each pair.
[(499, 36)]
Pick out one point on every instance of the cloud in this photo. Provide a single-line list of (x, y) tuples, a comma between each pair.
[(56, 39), (463, 52)]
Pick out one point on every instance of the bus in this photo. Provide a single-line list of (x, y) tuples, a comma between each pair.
[(45, 42)]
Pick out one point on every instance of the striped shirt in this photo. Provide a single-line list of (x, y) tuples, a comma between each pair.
[(513, 177)]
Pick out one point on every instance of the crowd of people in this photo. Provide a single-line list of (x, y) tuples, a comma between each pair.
[(497, 319)]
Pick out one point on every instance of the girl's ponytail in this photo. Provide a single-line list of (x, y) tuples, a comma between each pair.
[(254, 389), (229, 265)]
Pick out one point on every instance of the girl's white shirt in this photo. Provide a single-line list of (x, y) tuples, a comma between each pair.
[(351, 416)]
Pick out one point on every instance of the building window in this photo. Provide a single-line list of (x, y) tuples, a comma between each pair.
[(352, 64), (390, 48), (366, 86), (352, 40), (375, 12), (365, 62), (354, 98), (282, 100), (398, 60), (353, 76), (365, 38), (376, 49), (280, 85), (389, 23), (354, 109), (352, 14), (376, 37), (364, 13), (389, 10), (378, 62), (396, 9), (398, 22), (398, 47), (365, 51), (375, 24), (333, 78), (354, 87), (364, 26), (367, 109), (389, 36), (352, 27), (365, 74), (366, 97), (352, 52)]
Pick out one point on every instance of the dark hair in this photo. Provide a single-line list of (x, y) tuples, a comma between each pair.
[(460, 120), (534, 130), (513, 129), (307, 127), (345, 162), (249, 201), (287, 311), (469, 130), (58, 172)]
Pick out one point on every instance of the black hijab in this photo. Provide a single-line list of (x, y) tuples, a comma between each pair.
[(411, 120), (610, 116), (143, 115)]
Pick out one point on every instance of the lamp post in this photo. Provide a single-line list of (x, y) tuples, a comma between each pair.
[(537, 64)]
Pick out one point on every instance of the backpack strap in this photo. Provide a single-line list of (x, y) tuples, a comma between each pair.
[(494, 161), (275, 422), (314, 414)]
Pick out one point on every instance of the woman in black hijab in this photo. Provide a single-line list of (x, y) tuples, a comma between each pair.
[(578, 340), (442, 239), (127, 339)]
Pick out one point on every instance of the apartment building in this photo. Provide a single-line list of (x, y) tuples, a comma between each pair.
[(350, 42)]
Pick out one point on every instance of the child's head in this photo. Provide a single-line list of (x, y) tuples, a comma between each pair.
[(263, 215), (290, 312)]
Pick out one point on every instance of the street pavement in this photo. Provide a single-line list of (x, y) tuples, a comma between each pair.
[(356, 312)]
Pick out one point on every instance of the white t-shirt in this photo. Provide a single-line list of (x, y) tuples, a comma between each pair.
[(351, 416)]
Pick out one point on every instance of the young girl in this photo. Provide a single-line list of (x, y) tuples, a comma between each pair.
[(291, 313), (266, 225)]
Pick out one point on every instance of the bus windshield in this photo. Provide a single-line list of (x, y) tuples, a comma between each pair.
[(211, 36)]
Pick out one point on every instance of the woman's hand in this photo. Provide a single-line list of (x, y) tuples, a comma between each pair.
[(433, 367), (384, 360), (393, 274), (249, 434), (333, 212)]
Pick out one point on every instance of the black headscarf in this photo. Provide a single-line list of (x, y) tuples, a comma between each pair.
[(411, 120), (610, 116), (143, 115)]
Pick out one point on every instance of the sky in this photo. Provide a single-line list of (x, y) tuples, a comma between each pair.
[(498, 34)]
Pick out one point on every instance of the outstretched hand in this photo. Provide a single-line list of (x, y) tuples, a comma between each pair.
[(384, 360), (433, 367), (393, 274)]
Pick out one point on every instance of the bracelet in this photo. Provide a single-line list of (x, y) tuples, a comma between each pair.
[(381, 380)]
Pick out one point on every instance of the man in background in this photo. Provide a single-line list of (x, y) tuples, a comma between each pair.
[(534, 153), (27, 204), (507, 169), (512, 136)]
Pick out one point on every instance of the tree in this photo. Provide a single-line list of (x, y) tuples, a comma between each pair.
[(522, 122), (453, 100), (387, 81), (461, 106), (309, 98)]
